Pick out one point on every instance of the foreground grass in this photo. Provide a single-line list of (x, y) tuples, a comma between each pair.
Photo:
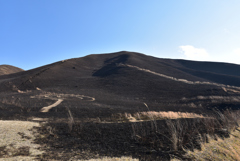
[(153, 139), (218, 149), (154, 136)]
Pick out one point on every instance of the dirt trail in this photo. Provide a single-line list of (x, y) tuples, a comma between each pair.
[(46, 109), (60, 97), (226, 87), (232, 90)]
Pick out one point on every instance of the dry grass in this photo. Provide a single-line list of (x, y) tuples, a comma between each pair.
[(154, 115), (194, 133), (227, 149), (169, 115), (16, 140), (218, 148)]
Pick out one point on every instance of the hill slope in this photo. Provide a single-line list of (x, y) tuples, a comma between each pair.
[(8, 69), (123, 81)]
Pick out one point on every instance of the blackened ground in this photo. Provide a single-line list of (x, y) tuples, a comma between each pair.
[(118, 88), (151, 140)]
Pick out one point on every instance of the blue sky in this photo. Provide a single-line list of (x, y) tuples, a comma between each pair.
[(35, 33)]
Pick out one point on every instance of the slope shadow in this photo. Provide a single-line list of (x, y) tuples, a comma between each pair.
[(111, 66)]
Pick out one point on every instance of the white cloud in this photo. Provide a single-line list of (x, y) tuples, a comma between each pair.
[(237, 52), (192, 53)]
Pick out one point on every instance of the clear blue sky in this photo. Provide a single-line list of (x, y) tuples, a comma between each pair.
[(38, 32)]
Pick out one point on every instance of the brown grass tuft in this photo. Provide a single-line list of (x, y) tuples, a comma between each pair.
[(220, 149), (153, 115)]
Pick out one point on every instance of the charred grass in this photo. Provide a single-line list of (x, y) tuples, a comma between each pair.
[(146, 140), (149, 135)]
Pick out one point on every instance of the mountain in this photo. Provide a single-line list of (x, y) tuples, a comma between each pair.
[(8, 69), (104, 84)]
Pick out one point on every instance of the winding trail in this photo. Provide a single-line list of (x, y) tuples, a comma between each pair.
[(46, 109), (60, 97), (225, 87)]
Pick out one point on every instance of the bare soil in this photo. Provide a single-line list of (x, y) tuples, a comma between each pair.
[(17, 140)]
